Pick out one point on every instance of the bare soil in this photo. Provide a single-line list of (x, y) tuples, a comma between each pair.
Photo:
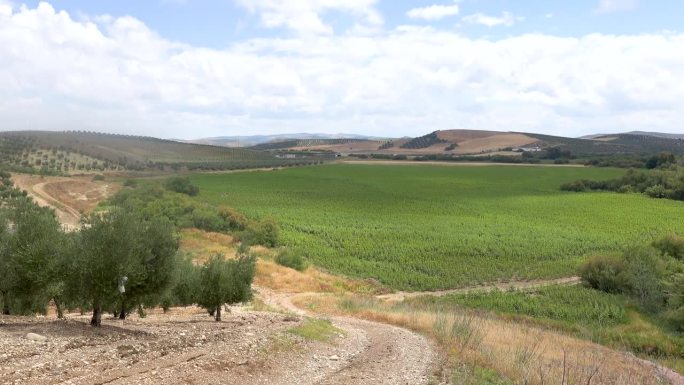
[(70, 197)]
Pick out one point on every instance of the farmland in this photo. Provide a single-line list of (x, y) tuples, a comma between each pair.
[(432, 227)]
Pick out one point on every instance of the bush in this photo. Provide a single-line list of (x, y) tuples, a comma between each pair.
[(130, 183), (672, 245), (98, 177), (182, 185), (265, 233), (576, 186), (657, 191), (605, 273), (291, 259)]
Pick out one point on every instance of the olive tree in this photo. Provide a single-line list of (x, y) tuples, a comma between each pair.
[(225, 281), (121, 246)]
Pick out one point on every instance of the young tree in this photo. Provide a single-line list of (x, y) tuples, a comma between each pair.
[(225, 281)]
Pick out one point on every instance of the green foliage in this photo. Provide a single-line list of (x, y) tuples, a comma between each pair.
[(181, 185), (429, 227), (652, 277), (225, 282), (314, 329), (574, 305), (664, 159), (31, 248), (601, 317), (292, 259), (98, 177), (605, 273), (662, 183), (671, 245), (266, 233), (130, 183), (120, 244), (151, 200)]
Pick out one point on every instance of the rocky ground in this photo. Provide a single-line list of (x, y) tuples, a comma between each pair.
[(185, 346)]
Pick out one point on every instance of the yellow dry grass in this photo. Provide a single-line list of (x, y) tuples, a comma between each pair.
[(493, 143), (523, 353), (202, 245), (285, 280)]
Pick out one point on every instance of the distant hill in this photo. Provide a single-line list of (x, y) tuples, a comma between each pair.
[(657, 134), (478, 142), (74, 151), (254, 140)]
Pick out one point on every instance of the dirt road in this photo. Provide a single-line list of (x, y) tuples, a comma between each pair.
[(381, 354), (516, 285), (70, 197)]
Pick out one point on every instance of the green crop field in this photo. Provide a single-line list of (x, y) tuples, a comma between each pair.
[(434, 227)]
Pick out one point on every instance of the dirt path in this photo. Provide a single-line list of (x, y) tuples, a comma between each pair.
[(70, 197), (453, 164), (516, 285), (381, 354)]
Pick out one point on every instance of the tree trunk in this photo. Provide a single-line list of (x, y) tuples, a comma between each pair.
[(122, 315), (97, 315), (5, 304), (60, 313), (217, 316)]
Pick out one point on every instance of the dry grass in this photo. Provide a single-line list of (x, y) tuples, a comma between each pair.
[(202, 245), (286, 280), (493, 143), (525, 354)]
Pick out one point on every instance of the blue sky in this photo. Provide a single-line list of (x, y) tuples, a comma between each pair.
[(218, 23), (193, 68)]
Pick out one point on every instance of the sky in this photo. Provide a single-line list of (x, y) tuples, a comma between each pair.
[(199, 68)]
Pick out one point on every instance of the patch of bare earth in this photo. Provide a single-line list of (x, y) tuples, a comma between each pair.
[(70, 197), (184, 346)]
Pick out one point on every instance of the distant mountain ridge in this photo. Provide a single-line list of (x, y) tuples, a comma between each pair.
[(663, 135), (470, 142), (253, 140)]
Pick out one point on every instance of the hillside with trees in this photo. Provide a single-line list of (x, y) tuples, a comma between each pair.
[(71, 152)]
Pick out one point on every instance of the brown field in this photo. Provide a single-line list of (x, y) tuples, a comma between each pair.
[(493, 143), (71, 197)]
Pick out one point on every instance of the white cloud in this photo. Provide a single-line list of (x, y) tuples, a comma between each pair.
[(611, 6), (507, 19), (433, 12), (304, 16), (117, 75)]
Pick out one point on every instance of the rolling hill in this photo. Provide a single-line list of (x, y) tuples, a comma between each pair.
[(74, 151), (478, 142)]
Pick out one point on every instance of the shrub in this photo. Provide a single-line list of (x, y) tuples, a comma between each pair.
[(605, 273), (576, 186), (98, 177), (233, 219), (130, 183), (672, 245), (265, 233), (182, 185), (291, 259), (657, 191)]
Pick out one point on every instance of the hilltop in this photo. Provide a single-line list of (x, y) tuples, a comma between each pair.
[(479, 142)]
